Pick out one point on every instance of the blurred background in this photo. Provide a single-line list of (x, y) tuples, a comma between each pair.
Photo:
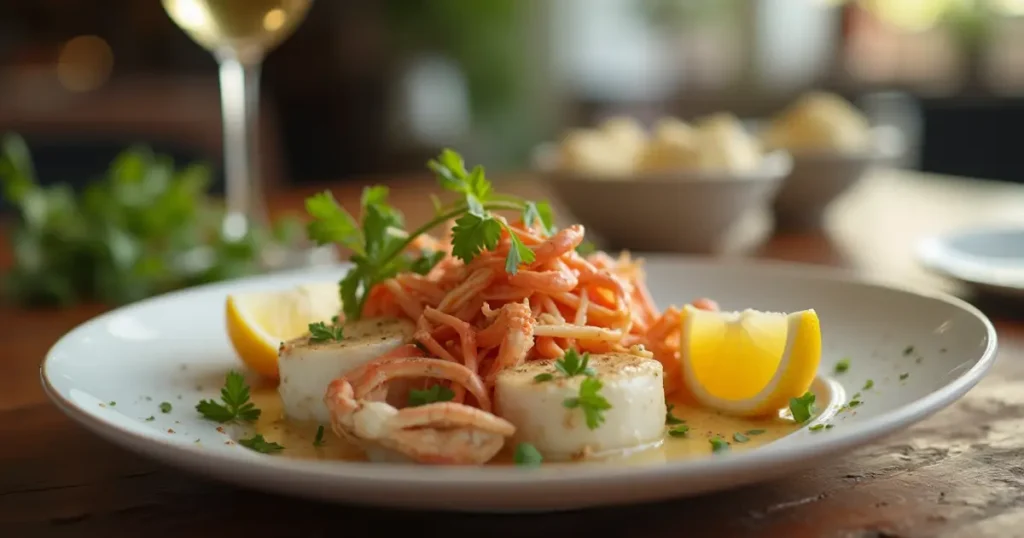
[(368, 87)]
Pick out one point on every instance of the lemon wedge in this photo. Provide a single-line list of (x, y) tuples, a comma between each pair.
[(258, 322), (749, 363)]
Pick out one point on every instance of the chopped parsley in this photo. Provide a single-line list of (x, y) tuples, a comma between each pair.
[(236, 405), (111, 403), (718, 444), (151, 418), (165, 407), (321, 332), (679, 431), (540, 378), (854, 403), (259, 444), (817, 427), (572, 364), (527, 455), (904, 376), (319, 439), (868, 384), (740, 438), (671, 419), (802, 407), (590, 401), (754, 432), (842, 366), (908, 350), (434, 394)]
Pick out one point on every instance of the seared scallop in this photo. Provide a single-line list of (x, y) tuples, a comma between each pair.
[(617, 405), (308, 366)]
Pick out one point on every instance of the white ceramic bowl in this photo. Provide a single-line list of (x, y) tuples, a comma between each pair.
[(818, 178), (686, 211)]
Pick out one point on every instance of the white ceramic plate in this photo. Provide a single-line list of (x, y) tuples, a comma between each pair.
[(174, 348), (990, 259)]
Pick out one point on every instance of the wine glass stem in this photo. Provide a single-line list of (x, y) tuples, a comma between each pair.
[(239, 94)]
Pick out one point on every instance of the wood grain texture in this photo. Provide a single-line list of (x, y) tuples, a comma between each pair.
[(957, 474)]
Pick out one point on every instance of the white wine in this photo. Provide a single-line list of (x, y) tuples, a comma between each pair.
[(244, 27)]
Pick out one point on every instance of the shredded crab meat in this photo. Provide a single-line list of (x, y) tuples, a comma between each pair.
[(485, 320)]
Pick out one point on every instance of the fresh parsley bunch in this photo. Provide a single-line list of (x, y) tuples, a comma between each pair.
[(379, 239), (143, 228)]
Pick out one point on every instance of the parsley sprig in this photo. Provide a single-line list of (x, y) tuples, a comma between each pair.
[(378, 240), (572, 364), (259, 444), (321, 332), (236, 406), (590, 401), (802, 407)]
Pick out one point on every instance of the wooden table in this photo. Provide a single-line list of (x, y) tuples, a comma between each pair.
[(960, 473)]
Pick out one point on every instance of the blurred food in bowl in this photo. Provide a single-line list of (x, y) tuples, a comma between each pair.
[(832, 145), (620, 147), (679, 187), (818, 122)]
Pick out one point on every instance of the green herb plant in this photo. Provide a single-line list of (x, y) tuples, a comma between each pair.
[(144, 227)]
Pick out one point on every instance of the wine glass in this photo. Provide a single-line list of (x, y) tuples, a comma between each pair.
[(239, 33)]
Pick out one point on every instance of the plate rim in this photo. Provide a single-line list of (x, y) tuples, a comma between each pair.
[(376, 475)]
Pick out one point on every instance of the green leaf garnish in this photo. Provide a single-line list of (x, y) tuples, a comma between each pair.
[(817, 427), (590, 401), (236, 405), (319, 439), (321, 332), (527, 455), (573, 364), (541, 378), (539, 212), (518, 255), (854, 403), (718, 444), (679, 431), (671, 419), (802, 407), (434, 394), (165, 407), (150, 418), (842, 366), (904, 376), (754, 432), (868, 384), (473, 234), (740, 438), (331, 223), (259, 444)]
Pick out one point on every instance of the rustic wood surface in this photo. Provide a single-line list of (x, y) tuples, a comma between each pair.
[(958, 474)]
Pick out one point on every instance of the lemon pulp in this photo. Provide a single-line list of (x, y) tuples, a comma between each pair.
[(258, 322), (749, 362)]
